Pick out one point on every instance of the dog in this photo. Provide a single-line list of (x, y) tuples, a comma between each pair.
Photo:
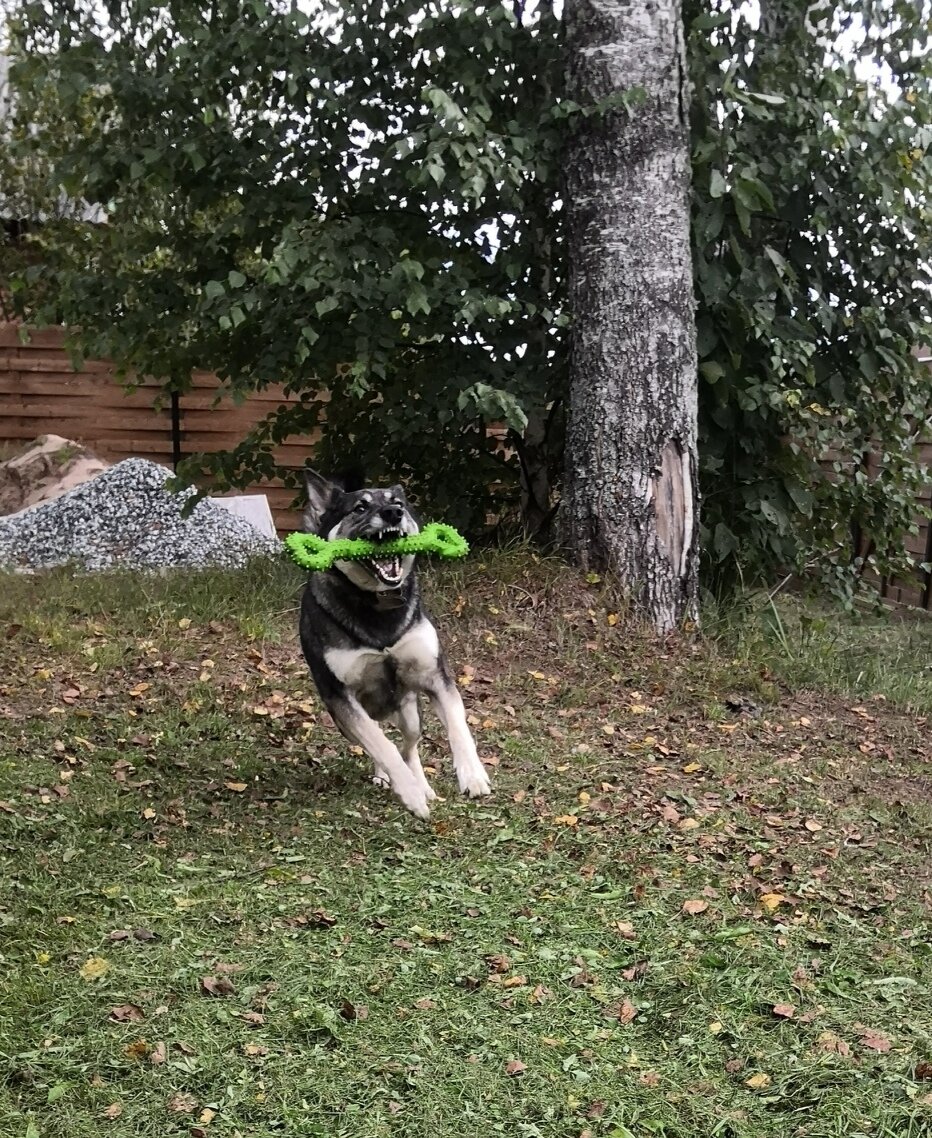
[(371, 649)]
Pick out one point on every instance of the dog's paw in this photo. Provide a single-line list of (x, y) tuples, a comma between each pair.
[(381, 781), (417, 805), (413, 797), (475, 784)]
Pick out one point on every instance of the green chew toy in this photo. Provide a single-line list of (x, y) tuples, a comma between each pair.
[(317, 554)]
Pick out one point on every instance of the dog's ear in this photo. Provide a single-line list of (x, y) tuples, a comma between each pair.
[(320, 493)]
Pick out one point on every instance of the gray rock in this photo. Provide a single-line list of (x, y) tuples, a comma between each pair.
[(126, 519)]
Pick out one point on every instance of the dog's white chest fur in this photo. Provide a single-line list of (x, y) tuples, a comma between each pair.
[(413, 658)]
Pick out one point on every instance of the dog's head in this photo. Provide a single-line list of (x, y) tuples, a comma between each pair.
[(370, 514)]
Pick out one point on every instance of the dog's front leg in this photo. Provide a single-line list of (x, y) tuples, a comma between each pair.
[(361, 729), (470, 773)]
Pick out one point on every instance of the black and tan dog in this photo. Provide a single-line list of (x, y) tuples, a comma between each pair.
[(371, 648)]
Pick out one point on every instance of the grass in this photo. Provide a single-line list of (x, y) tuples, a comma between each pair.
[(681, 841)]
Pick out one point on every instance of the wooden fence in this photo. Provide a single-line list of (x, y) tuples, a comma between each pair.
[(41, 394)]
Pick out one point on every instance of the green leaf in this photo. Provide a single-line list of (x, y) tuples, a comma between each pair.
[(236, 279), (717, 185), (326, 304), (213, 289), (711, 371)]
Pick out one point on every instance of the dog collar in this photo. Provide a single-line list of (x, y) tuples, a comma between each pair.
[(387, 599)]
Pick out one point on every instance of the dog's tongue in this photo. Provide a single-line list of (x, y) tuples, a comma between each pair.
[(389, 567)]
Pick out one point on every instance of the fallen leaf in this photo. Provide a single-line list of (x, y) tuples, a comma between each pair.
[(255, 1050), (113, 1111), (144, 935), (515, 1067), (784, 1011), (733, 1065), (625, 929), (207, 1116), (158, 1054), (351, 1012), (94, 968), (772, 901), (182, 1103), (126, 1013), (217, 986), (321, 919), (498, 963), (875, 1040), (425, 1004), (236, 787), (756, 1082), (812, 825), (691, 768), (136, 1051), (923, 1071), (119, 934), (566, 820), (830, 1042), (394, 1107), (694, 908), (539, 994), (636, 971), (254, 1019), (626, 1011)]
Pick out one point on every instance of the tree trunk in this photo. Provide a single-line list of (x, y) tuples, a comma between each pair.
[(630, 501)]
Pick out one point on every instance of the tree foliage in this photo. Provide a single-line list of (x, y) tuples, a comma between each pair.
[(355, 204), (813, 266), (365, 205)]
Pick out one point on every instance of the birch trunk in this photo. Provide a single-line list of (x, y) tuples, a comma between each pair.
[(630, 501)]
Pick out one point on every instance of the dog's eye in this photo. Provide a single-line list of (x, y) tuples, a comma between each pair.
[(359, 508)]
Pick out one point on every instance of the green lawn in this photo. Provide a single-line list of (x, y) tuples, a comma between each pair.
[(696, 905)]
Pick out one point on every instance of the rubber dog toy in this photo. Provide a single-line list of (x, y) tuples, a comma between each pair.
[(317, 554)]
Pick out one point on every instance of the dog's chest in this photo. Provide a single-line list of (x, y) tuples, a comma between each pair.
[(410, 662)]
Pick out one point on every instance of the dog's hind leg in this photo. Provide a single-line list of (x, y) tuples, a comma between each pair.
[(470, 773), (361, 729), (408, 720)]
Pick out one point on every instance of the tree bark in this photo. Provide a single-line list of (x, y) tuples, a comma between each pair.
[(630, 503)]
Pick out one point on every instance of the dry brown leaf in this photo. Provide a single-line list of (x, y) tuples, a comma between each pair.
[(758, 1081), (158, 1055), (217, 986), (636, 971), (425, 1004), (625, 929), (113, 1111), (182, 1103), (875, 1040), (126, 1013), (236, 787), (136, 1051), (830, 1042), (694, 908), (515, 1067), (784, 1011), (626, 1011), (812, 825), (772, 901)]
